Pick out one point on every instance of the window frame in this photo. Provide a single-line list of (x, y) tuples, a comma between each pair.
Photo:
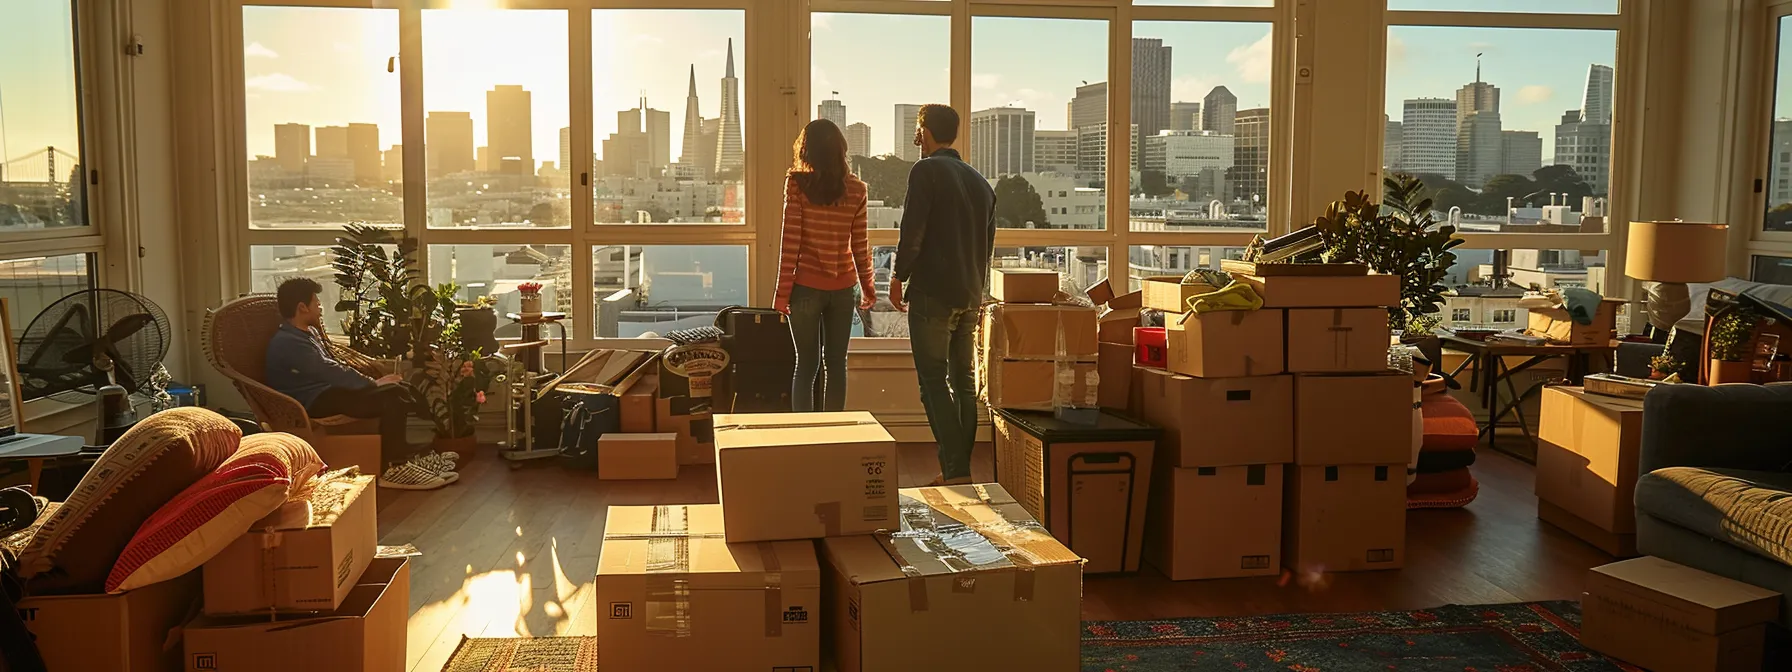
[(1759, 152)]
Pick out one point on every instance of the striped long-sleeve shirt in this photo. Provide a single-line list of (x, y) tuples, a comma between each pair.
[(825, 246)]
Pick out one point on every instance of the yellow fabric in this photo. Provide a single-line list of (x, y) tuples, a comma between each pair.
[(1236, 296)]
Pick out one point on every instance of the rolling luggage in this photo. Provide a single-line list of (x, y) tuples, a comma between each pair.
[(761, 361)]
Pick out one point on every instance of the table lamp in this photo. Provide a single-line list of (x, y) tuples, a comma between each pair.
[(1672, 254)]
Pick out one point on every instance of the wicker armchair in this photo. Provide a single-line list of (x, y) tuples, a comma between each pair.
[(235, 340)]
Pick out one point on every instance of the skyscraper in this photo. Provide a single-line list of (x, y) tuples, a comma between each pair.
[(1219, 111), (1521, 152), (692, 152), (858, 139), (1090, 106), (905, 131), (1150, 86), (1596, 102), (1428, 137), (392, 167), (729, 155), (1587, 148), (363, 145), (1390, 143), (655, 126), (832, 110), (1250, 151), (332, 142), (1002, 141), (565, 163), (1185, 117), (292, 146), (1092, 151), (1476, 96), (448, 140), (1479, 147), (509, 129), (1054, 151)]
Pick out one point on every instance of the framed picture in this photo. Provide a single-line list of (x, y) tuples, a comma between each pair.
[(12, 412)]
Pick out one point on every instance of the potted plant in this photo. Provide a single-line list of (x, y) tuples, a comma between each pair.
[(377, 273), (449, 378), (1663, 365), (1398, 237), (530, 292), (479, 324), (1732, 334)]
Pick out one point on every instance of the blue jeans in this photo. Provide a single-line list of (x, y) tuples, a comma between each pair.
[(821, 326), (943, 338)]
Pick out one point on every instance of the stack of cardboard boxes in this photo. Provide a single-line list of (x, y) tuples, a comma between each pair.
[(1121, 384), (1034, 354), (902, 579)]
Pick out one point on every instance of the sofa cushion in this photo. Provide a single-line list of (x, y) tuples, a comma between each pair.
[(144, 469), (1751, 510), (1444, 490), (1449, 426)]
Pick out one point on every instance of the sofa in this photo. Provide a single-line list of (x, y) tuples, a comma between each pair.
[(1715, 484)]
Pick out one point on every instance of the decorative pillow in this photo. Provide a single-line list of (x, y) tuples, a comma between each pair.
[(154, 461), (199, 522)]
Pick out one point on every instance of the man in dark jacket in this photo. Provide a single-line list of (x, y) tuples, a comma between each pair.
[(948, 234)]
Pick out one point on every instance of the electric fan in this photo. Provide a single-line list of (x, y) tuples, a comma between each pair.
[(96, 342)]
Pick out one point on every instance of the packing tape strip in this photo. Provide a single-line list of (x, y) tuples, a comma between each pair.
[(774, 589), (798, 425), (271, 539), (668, 599), (829, 515)]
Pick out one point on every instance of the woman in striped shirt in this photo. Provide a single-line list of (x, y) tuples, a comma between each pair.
[(825, 255)]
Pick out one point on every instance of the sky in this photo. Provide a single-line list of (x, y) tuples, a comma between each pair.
[(37, 79)]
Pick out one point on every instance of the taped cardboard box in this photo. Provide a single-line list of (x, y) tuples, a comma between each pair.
[(1664, 616), (969, 582), (1028, 331), (690, 420), (638, 408), (637, 456), (804, 475), (1337, 340), (1225, 344), (672, 595), (1218, 422), (1556, 325), (126, 632), (1344, 518), (1216, 522), (301, 558), (1023, 285), (1116, 325), (1038, 385), (1133, 299), (1101, 292), (1168, 294), (365, 634), (1353, 419), (1325, 291), (1088, 484), (1587, 453), (1116, 383)]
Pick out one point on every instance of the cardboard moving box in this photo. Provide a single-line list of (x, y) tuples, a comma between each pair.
[(1337, 340), (1353, 419), (1168, 294), (1027, 331), (1023, 285), (1216, 522), (1218, 422), (1326, 291), (804, 475), (1556, 325), (339, 451), (1587, 451), (1344, 518), (126, 632), (1226, 344), (685, 407), (1116, 325), (979, 586), (637, 456), (638, 407), (1664, 616), (693, 424), (1089, 485), (1039, 385), (1115, 386), (365, 634), (671, 595), (291, 562)]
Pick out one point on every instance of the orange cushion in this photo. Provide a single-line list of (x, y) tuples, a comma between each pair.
[(199, 522), (1448, 424), (1443, 490)]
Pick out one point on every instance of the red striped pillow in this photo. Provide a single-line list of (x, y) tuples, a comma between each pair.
[(200, 521)]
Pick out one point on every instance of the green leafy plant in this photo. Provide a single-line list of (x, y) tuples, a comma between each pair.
[(448, 380), (1664, 364), (1732, 333), (1398, 237), (377, 272)]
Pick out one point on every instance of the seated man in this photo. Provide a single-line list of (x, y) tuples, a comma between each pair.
[(299, 366)]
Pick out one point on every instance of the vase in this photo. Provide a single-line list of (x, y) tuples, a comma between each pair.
[(465, 445), (1728, 372), (531, 305)]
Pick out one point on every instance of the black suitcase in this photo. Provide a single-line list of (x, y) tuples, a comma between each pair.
[(761, 361), (586, 417)]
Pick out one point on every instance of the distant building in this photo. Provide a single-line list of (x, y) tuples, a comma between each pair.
[(832, 110), (656, 125), (858, 139), (292, 147), (392, 165), (1587, 148), (1089, 106), (730, 158), (696, 157), (1150, 86), (1184, 154), (1391, 136), (1428, 137), (364, 150), (1780, 164), (1055, 151), (1219, 111), (1002, 141), (1068, 205), (1476, 96), (448, 140), (330, 171), (1596, 101), (1250, 170), (509, 128), (1521, 152), (1185, 116), (1092, 151), (1479, 143), (905, 117)]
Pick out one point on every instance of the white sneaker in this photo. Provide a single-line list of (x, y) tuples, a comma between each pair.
[(440, 463), (410, 476)]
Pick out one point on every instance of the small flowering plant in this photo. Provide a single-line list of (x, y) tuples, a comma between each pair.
[(529, 289), (449, 381)]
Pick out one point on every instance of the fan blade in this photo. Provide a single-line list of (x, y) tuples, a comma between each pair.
[(127, 325), (121, 371), (81, 355)]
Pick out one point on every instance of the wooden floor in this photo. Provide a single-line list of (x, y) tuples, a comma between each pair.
[(512, 553)]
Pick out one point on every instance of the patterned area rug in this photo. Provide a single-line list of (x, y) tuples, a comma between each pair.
[(535, 654), (1530, 637)]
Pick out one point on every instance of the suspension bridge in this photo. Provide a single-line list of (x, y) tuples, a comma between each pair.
[(49, 165)]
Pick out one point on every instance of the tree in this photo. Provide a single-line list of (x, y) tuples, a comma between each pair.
[(886, 177), (1018, 204), (1500, 187), (1560, 179), (542, 214)]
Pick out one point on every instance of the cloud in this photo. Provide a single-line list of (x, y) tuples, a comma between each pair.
[(1253, 62), (256, 50), (1396, 51), (1535, 93), (1191, 89), (277, 82), (984, 80)]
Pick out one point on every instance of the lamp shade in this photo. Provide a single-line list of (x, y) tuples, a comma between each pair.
[(1676, 251)]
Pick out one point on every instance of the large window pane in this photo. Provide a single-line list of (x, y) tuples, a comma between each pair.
[(497, 270), (1779, 163), (322, 117), (1484, 289), (1771, 270), (1145, 261), (1039, 120), (643, 289), (40, 118), (1521, 6), (31, 284), (495, 101), (270, 265), (1510, 127), (1077, 267), (669, 137), (1200, 100), (870, 74)]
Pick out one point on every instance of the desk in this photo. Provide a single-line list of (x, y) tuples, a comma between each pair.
[(1489, 360), (34, 449)]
